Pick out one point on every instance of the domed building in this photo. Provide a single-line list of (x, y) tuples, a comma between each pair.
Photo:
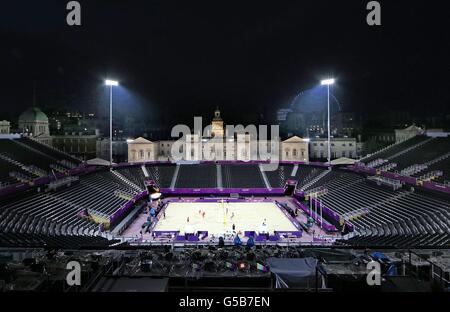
[(35, 123)]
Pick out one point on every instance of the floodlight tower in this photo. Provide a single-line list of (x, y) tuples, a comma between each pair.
[(110, 84), (328, 83)]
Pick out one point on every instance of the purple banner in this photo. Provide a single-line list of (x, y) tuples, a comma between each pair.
[(165, 233), (11, 189), (436, 187), (297, 234)]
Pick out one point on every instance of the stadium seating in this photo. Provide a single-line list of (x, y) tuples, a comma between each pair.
[(53, 241), (420, 156), (441, 166), (398, 241), (434, 148), (50, 151), (7, 167), (16, 151), (242, 176), (385, 212), (30, 159), (161, 174), (195, 176), (396, 148), (57, 212), (134, 174), (304, 174)]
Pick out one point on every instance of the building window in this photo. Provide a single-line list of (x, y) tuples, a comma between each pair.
[(294, 152)]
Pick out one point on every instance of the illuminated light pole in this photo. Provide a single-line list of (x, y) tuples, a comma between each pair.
[(110, 84), (328, 82)]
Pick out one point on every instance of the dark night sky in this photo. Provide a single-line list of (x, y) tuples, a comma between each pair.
[(250, 57)]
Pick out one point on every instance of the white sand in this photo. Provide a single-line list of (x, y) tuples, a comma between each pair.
[(247, 217)]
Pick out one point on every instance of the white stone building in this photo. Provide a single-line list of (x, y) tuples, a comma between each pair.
[(5, 127), (219, 146), (407, 133), (340, 147)]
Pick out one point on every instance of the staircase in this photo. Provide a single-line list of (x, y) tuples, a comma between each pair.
[(128, 182), (144, 170), (294, 171), (320, 176), (219, 176), (264, 177), (175, 177)]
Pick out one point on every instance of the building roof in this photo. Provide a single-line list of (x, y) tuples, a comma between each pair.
[(333, 139), (33, 114), (412, 128), (294, 139), (140, 140)]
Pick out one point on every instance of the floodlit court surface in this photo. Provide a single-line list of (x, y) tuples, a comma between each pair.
[(264, 216)]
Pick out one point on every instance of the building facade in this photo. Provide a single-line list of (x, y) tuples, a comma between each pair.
[(218, 147), (340, 147), (33, 122), (407, 133), (5, 127)]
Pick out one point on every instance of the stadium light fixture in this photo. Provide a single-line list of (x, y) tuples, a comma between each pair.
[(113, 83), (327, 82), (110, 83)]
